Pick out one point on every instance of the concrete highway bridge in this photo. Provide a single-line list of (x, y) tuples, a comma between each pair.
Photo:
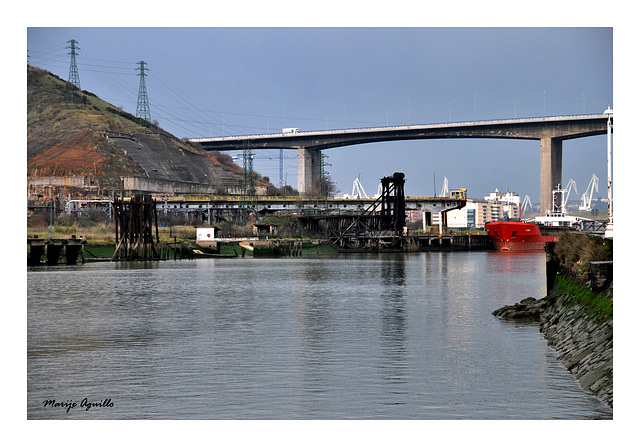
[(551, 131)]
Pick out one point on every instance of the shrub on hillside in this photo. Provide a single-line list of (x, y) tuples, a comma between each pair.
[(576, 251)]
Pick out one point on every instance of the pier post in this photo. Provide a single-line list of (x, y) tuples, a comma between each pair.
[(550, 171), (36, 250), (72, 248), (54, 247), (443, 225)]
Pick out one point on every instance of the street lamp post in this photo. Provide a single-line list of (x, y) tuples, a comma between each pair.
[(609, 230)]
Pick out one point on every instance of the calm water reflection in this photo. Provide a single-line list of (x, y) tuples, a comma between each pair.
[(392, 336)]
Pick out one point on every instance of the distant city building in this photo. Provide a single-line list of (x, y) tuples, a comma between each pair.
[(476, 213), (413, 215), (462, 218)]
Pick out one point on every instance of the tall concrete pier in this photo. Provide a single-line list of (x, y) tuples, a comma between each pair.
[(308, 169), (550, 171)]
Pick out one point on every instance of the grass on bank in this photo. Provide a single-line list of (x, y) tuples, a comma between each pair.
[(97, 230), (599, 306), (575, 252), (104, 235)]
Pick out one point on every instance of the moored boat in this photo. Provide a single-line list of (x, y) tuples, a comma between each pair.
[(508, 235)]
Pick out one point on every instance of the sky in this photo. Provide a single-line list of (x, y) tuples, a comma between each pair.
[(215, 81)]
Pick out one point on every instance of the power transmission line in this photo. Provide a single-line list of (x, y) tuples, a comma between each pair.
[(179, 110), (110, 79)]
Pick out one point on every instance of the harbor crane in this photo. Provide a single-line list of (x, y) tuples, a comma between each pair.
[(358, 190), (588, 194), (526, 204), (445, 188), (567, 193), (564, 196)]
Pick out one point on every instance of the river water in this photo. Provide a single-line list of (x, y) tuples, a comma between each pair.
[(355, 337)]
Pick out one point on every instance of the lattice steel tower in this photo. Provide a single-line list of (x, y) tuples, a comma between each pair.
[(323, 187), (74, 78), (248, 186), (142, 110)]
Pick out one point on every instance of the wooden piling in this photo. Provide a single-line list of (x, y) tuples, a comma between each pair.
[(134, 221)]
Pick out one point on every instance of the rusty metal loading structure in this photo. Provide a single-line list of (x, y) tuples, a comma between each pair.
[(134, 222), (379, 227), (392, 215)]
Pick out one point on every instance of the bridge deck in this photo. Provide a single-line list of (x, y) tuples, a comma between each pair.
[(564, 127), (551, 131)]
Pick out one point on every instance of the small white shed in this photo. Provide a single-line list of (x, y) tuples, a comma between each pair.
[(207, 234)]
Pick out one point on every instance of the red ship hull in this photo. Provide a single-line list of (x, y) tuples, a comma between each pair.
[(508, 236)]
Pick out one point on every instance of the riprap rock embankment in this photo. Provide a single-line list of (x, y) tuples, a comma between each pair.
[(583, 342), (576, 318)]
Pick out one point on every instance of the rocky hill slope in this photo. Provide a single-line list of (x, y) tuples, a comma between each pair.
[(75, 133)]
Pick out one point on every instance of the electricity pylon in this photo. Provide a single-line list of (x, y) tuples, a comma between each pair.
[(142, 109), (74, 78), (248, 186)]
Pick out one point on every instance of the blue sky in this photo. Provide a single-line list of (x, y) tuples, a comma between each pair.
[(239, 81)]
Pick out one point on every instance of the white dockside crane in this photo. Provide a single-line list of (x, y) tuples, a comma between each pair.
[(565, 195), (357, 192), (444, 192), (526, 204), (588, 194)]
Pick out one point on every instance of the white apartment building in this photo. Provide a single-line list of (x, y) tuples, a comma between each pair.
[(476, 213)]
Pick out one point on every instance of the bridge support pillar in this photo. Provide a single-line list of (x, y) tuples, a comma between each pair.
[(308, 170), (550, 171)]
